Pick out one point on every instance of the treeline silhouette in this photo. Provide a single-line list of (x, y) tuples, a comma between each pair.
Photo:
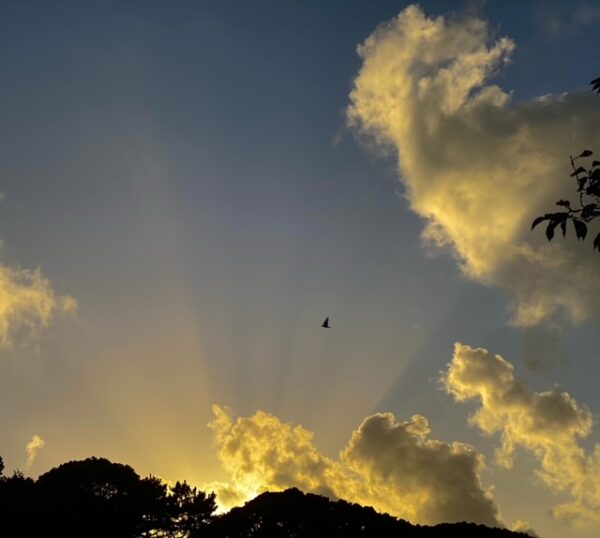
[(95, 497)]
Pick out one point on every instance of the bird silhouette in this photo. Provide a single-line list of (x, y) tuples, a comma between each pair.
[(325, 324)]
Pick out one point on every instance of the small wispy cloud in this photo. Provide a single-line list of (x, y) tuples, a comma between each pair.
[(586, 14), (32, 448), (28, 305), (565, 20)]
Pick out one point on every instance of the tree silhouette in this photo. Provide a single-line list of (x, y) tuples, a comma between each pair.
[(190, 510), (98, 498), (584, 210), (95, 497), (16, 504), (305, 515), (587, 206)]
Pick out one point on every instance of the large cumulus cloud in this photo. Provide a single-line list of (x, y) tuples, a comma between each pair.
[(475, 166), (263, 453), (394, 466), (405, 472), (550, 424)]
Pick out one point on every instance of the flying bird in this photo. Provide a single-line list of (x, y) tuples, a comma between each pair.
[(325, 324)]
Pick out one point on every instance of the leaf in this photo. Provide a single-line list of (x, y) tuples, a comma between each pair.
[(550, 229), (588, 211), (595, 163), (597, 242), (578, 171), (564, 203), (586, 153), (555, 220), (580, 228), (596, 84), (581, 181), (593, 190), (537, 221), (563, 227)]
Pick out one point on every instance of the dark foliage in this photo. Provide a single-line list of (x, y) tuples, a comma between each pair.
[(16, 505), (293, 514), (95, 497), (584, 210), (108, 497), (190, 510), (587, 206)]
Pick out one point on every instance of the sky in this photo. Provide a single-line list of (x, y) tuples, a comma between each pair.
[(189, 189)]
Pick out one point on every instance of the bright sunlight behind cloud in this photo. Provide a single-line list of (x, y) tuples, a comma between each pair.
[(475, 166), (393, 466)]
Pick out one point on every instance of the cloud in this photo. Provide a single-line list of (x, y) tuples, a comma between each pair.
[(393, 466), (28, 305), (262, 453), (586, 14), (549, 424), (565, 20), (32, 448), (404, 472), (524, 527), (477, 167)]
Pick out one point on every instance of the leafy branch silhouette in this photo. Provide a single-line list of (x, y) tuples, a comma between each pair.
[(588, 188)]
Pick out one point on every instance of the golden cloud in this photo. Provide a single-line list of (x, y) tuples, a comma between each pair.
[(550, 424), (28, 305), (393, 466), (32, 448), (475, 166)]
